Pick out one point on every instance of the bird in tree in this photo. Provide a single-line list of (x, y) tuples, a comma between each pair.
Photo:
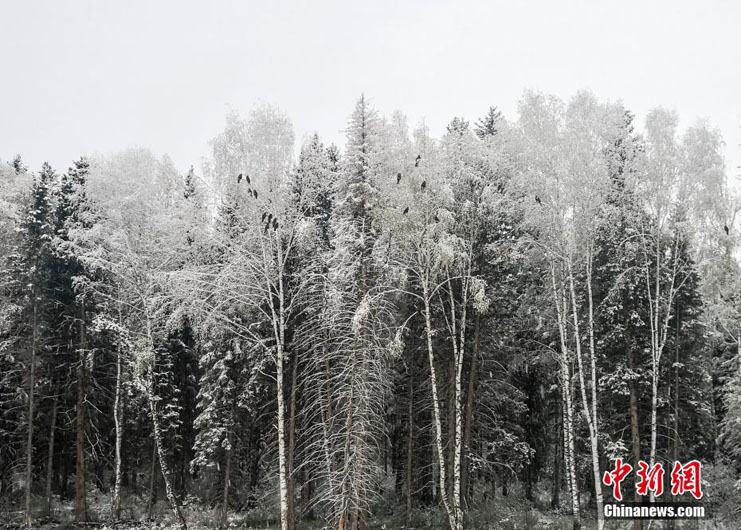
[(417, 160), (264, 215), (406, 210), (500, 188), (247, 177), (537, 199), (270, 217), (725, 227), (424, 185), (239, 178), (275, 224), (254, 194), (437, 219), (398, 177)]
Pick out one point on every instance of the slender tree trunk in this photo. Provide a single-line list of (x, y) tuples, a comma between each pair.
[(634, 432), (450, 458), (675, 434), (50, 454), (31, 394), (654, 407), (348, 519), (556, 489), (459, 345), (292, 443), (655, 354), (153, 483), (559, 297), (436, 410), (117, 419), (286, 516), (327, 423), (80, 494), (410, 440), (465, 472), (227, 480), (169, 492), (589, 412), (435, 464)]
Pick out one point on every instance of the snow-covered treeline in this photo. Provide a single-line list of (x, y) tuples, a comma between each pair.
[(452, 331)]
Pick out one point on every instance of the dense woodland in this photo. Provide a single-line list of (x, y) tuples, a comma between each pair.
[(455, 332)]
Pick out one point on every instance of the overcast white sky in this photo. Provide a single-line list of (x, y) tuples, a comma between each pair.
[(87, 77)]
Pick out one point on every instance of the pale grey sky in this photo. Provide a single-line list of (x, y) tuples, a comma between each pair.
[(87, 77)]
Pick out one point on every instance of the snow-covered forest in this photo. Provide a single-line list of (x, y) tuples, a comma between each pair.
[(408, 332)]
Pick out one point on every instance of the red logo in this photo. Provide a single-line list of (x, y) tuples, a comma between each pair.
[(615, 477), (685, 478), (650, 479)]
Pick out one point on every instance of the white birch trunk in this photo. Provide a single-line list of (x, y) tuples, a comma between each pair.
[(559, 298), (116, 504), (589, 412), (436, 406)]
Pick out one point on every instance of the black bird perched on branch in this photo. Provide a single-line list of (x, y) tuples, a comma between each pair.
[(424, 185), (437, 219), (270, 217), (264, 215), (725, 227), (406, 210), (248, 179), (275, 224), (398, 177), (254, 193), (537, 199), (267, 225), (239, 178), (500, 188), (417, 160)]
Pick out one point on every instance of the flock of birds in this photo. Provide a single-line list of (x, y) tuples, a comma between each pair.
[(271, 221), (423, 186), (267, 218)]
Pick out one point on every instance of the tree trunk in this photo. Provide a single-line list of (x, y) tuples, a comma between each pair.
[(634, 432), (459, 347), (153, 483), (227, 479), (286, 516), (556, 488), (31, 392), (348, 510), (589, 412), (436, 410), (117, 419), (292, 443), (465, 472), (450, 458), (410, 440), (50, 454), (80, 494), (282, 467), (559, 298), (174, 504), (675, 434)]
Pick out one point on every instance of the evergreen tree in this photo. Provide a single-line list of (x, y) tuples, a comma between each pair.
[(489, 124)]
